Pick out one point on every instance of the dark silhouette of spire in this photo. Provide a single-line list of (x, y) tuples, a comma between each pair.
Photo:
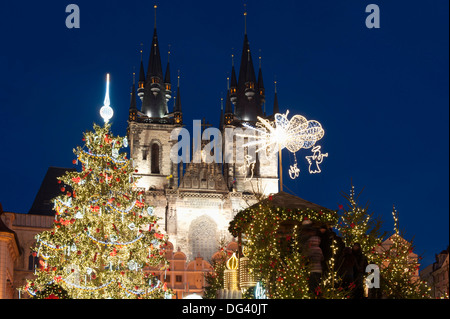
[(178, 101), (262, 91), (133, 107), (141, 84), (276, 108), (178, 111), (154, 65), (156, 93)]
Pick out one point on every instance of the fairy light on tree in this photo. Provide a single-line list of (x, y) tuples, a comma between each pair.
[(400, 267), (104, 234)]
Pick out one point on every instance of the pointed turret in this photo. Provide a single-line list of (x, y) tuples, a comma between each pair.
[(221, 114), (133, 107), (167, 82), (155, 104), (178, 111), (234, 85), (276, 108), (262, 91), (248, 101), (141, 83), (229, 114)]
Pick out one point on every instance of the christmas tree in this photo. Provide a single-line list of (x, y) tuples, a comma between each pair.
[(400, 268), (358, 226), (275, 245), (104, 235)]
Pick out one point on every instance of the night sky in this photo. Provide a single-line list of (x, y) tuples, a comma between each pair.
[(381, 94)]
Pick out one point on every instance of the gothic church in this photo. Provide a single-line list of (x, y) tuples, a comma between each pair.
[(196, 201)]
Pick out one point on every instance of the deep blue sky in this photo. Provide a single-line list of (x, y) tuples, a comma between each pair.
[(381, 95)]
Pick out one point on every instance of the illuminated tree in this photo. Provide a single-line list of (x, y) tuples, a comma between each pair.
[(357, 225), (400, 268), (274, 246), (103, 234)]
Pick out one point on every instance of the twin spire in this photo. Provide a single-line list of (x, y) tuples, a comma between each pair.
[(245, 91)]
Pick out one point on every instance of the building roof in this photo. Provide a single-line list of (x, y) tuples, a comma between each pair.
[(285, 200), (49, 190)]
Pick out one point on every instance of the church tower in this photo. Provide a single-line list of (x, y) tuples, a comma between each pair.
[(259, 172), (149, 130)]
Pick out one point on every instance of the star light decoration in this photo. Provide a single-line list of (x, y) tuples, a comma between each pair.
[(106, 112), (295, 134)]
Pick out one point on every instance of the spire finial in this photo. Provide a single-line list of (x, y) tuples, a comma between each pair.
[(106, 112), (142, 50), (221, 102), (168, 57), (245, 17), (260, 59), (155, 7), (228, 82)]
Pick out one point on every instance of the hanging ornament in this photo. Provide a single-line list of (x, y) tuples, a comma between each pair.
[(125, 142), (132, 265), (294, 171)]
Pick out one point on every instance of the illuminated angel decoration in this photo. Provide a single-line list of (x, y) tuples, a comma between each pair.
[(293, 134), (315, 160)]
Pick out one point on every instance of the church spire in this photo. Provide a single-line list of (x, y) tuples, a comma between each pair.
[(221, 114), (141, 83), (133, 108), (167, 82), (178, 111), (262, 91), (234, 84), (245, 18), (248, 101), (154, 104), (276, 108)]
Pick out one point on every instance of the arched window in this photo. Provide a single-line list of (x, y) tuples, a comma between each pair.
[(155, 159), (203, 236)]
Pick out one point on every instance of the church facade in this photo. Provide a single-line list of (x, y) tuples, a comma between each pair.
[(196, 201)]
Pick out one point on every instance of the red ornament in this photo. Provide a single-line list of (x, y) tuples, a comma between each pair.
[(74, 162), (76, 179)]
